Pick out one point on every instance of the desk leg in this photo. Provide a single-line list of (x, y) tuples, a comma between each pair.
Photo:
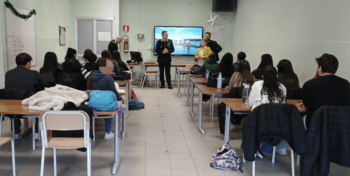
[(199, 125), (178, 84), (124, 123), (33, 129), (227, 124), (192, 92), (188, 90), (116, 144)]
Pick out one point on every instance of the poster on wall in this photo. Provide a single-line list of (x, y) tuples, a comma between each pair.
[(218, 33), (126, 29), (62, 34)]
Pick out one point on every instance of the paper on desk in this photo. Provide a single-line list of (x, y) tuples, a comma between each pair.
[(117, 88)]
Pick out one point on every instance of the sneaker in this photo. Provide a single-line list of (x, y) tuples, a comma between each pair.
[(18, 136), (109, 135), (170, 87), (36, 136), (233, 127), (282, 151), (162, 86), (260, 154), (124, 108)]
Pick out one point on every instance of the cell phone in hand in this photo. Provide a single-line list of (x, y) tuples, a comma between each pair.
[(300, 101)]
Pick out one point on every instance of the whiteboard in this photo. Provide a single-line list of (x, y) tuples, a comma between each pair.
[(218, 33), (20, 35)]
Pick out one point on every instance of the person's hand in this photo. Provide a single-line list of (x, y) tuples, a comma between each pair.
[(300, 104), (314, 74), (166, 51)]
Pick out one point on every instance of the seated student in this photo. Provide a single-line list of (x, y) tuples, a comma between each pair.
[(225, 66), (71, 54), (242, 75), (202, 54), (101, 81), (266, 59), (107, 55), (116, 57), (268, 90), (240, 57), (22, 77), (325, 88), (72, 75), (286, 74), (51, 65), (82, 62), (210, 64), (90, 65)]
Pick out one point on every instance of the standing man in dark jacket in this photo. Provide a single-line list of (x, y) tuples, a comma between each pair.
[(164, 48), (22, 77), (214, 46), (113, 45), (325, 88)]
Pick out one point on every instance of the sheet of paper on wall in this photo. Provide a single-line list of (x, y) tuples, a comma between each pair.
[(218, 33), (62, 36), (104, 36)]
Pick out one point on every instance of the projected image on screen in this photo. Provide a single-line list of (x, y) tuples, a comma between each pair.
[(186, 40)]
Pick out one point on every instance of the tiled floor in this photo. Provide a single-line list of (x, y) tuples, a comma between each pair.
[(161, 139)]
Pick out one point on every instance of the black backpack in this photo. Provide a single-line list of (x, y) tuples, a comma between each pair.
[(122, 75), (197, 70)]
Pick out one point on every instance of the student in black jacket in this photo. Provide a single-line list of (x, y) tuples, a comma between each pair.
[(72, 76), (51, 65), (22, 77), (325, 88), (90, 65), (266, 60), (214, 46), (116, 57), (164, 48), (113, 45)]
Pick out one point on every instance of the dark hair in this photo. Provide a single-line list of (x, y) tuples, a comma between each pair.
[(91, 57), (241, 56), (22, 59), (208, 33), (244, 71), (266, 59), (71, 66), (225, 65), (50, 63), (212, 56), (271, 87), (106, 54), (328, 63), (289, 78), (88, 51), (70, 53), (163, 32), (116, 57)]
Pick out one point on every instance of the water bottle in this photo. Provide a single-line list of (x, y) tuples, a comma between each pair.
[(207, 75), (245, 94), (219, 81)]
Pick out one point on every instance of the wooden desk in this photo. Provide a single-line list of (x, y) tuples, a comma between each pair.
[(180, 71), (203, 89), (237, 106), (14, 107)]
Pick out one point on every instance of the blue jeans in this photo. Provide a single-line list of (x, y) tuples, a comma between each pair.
[(108, 125), (268, 149)]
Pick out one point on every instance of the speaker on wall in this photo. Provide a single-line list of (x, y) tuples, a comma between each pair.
[(224, 5)]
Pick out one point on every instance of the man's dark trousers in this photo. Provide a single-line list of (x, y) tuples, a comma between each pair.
[(167, 67)]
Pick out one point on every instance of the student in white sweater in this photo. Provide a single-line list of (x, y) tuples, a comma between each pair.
[(265, 91)]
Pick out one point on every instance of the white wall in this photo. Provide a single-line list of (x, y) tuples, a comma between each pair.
[(298, 30)]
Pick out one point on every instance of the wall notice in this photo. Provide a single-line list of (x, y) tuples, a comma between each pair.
[(218, 33), (104, 36)]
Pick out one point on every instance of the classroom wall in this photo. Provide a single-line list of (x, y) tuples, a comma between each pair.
[(50, 14), (168, 13), (297, 30)]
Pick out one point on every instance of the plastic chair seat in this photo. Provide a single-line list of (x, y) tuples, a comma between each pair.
[(4, 140), (102, 117), (66, 143)]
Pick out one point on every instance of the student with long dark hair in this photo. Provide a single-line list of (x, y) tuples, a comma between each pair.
[(101, 81), (116, 57), (269, 90), (90, 65), (266, 60), (286, 74), (72, 76), (225, 66), (107, 55), (71, 53), (51, 65), (242, 75)]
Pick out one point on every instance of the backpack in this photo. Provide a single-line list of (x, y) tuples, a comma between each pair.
[(197, 70), (122, 75), (135, 104), (133, 95), (103, 101), (226, 158)]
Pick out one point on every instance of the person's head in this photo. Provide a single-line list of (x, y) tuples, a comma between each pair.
[(106, 54), (24, 60), (71, 66), (50, 63), (88, 51), (116, 57), (118, 40), (204, 42), (105, 66), (266, 59), (327, 64), (225, 63), (271, 87), (241, 56), (71, 53), (90, 58), (164, 35), (243, 66), (207, 36), (285, 67), (212, 57)]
